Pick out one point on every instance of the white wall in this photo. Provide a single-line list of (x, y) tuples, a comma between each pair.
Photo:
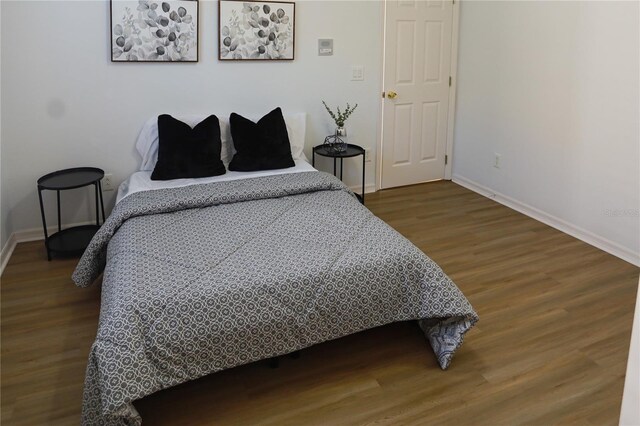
[(4, 210), (554, 88), (551, 86), (64, 104)]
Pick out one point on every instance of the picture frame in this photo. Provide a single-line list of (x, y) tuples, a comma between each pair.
[(256, 30), (154, 30)]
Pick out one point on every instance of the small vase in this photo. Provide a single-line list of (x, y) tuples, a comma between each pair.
[(341, 139)]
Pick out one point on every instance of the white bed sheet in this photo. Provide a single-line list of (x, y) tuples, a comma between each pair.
[(141, 181)]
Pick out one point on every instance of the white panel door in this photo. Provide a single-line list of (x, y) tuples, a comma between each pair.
[(416, 83)]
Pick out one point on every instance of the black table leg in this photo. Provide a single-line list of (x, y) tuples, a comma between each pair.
[(95, 186), (313, 158), (101, 200), (334, 166), (44, 224), (274, 362), (341, 161), (363, 163), (59, 219)]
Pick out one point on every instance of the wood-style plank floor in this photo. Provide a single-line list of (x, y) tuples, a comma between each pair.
[(551, 346)]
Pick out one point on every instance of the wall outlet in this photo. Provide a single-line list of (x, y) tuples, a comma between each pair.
[(107, 182), (357, 73), (497, 160), (367, 155)]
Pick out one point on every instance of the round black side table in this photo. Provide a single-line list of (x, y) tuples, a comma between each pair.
[(351, 151), (74, 240)]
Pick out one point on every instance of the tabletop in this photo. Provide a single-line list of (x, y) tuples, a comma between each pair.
[(327, 151), (70, 178)]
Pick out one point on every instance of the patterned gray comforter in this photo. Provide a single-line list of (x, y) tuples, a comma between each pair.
[(208, 277)]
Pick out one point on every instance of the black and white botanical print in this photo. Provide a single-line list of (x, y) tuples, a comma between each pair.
[(148, 30), (256, 30)]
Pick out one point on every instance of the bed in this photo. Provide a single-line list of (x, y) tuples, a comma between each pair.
[(206, 275)]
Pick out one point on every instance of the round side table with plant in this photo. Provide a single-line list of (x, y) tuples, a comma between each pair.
[(338, 141)]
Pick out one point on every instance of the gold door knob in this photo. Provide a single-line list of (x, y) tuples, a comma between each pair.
[(391, 94)]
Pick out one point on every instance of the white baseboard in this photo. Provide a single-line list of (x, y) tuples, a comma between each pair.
[(555, 222), (7, 251), (34, 234), (368, 189)]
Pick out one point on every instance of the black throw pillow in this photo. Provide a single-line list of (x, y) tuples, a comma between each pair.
[(260, 146), (184, 152)]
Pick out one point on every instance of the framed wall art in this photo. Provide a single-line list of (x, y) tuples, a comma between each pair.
[(256, 30), (154, 31)]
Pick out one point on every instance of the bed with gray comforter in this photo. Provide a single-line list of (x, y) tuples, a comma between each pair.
[(208, 277)]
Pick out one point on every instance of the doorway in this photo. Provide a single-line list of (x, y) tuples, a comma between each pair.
[(417, 124)]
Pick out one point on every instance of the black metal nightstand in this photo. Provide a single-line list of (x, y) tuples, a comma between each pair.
[(74, 240), (351, 151)]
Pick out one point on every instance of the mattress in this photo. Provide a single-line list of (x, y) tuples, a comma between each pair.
[(141, 181), (201, 278)]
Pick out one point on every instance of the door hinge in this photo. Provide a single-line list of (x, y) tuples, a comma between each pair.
[(446, 160), (449, 81), (383, 95)]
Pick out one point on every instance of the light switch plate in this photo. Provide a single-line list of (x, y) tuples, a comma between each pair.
[(357, 73), (325, 47)]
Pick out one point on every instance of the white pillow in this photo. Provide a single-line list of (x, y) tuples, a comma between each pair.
[(147, 143)]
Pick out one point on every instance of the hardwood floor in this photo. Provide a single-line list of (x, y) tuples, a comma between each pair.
[(551, 345)]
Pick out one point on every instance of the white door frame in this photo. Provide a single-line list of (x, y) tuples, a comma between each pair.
[(452, 93)]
